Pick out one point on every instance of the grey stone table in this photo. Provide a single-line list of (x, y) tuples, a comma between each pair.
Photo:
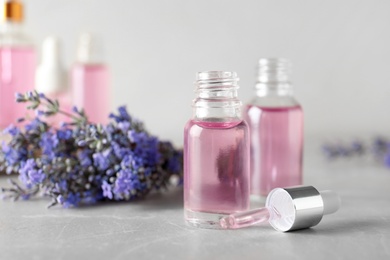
[(154, 228)]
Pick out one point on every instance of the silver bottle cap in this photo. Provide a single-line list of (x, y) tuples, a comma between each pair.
[(300, 207)]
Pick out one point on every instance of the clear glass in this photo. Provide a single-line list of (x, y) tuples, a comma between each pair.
[(17, 68), (275, 119), (91, 90), (216, 152)]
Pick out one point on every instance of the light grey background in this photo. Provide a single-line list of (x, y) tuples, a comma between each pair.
[(340, 51)]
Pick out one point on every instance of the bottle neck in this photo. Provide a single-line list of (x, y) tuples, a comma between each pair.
[(11, 27), (217, 97), (12, 35), (274, 78), (284, 89)]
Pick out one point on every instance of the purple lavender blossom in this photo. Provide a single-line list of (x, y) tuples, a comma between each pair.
[(48, 143), (12, 130), (101, 160), (336, 150), (126, 184), (36, 176), (39, 113), (82, 163), (107, 190), (379, 148), (33, 125), (29, 175), (60, 199), (85, 158), (387, 160), (19, 97), (71, 200), (124, 126), (123, 113), (64, 134), (120, 151), (136, 137), (174, 163), (11, 155)]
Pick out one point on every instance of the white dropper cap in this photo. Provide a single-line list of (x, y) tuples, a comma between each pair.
[(300, 207), (50, 75), (89, 50)]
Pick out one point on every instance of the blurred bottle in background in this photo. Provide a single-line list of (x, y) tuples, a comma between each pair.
[(90, 81), (17, 62), (51, 77), (275, 119)]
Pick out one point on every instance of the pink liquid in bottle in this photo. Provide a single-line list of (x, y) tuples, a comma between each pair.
[(216, 170), (276, 147), (17, 68), (91, 91)]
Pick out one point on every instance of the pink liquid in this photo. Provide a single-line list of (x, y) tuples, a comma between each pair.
[(216, 168), (276, 147), (17, 68), (91, 91)]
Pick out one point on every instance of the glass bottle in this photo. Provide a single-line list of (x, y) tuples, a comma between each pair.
[(275, 119), (17, 62), (90, 81), (216, 152)]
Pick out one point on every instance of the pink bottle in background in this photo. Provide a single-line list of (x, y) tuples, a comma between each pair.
[(17, 63), (216, 152), (90, 81), (51, 79), (275, 120)]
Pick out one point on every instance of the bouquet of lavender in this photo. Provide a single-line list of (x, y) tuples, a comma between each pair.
[(82, 162)]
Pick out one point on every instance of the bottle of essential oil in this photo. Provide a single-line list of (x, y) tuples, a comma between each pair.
[(90, 80), (17, 62), (216, 152), (275, 119)]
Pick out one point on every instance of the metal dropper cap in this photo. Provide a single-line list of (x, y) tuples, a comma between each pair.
[(300, 207)]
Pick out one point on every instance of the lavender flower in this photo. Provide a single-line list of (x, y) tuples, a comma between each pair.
[(379, 149), (30, 174), (10, 155), (336, 150), (82, 162), (107, 190), (101, 160), (12, 130), (49, 143)]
